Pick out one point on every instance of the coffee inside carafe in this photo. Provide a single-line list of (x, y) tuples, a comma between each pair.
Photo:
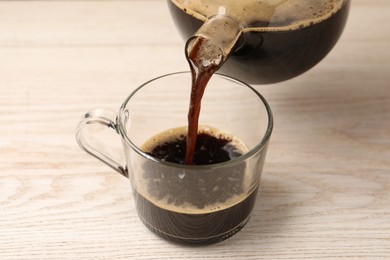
[(277, 39)]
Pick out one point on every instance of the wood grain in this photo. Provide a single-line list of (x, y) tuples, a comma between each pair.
[(325, 191)]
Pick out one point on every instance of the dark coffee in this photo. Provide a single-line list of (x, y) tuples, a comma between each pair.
[(195, 228), (195, 207), (284, 42)]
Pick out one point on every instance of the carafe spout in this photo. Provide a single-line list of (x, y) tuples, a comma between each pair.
[(215, 40)]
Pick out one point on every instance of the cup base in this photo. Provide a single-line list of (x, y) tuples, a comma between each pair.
[(197, 241)]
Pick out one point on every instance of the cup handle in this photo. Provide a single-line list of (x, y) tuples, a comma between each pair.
[(97, 134)]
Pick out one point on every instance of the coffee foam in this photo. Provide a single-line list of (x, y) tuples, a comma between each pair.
[(274, 15), (172, 134), (181, 132)]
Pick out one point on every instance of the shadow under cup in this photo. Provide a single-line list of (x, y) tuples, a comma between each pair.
[(190, 204)]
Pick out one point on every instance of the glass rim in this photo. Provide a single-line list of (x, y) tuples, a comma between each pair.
[(259, 146)]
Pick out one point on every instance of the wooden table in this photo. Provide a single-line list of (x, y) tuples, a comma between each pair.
[(325, 191)]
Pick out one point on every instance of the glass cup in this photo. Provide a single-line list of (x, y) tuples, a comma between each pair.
[(190, 204)]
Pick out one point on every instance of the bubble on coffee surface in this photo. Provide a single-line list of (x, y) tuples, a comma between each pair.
[(220, 190), (265, 15)]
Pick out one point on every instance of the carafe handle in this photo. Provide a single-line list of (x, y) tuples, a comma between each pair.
[(97, 134)]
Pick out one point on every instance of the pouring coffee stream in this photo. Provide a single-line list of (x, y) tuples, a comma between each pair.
[(206, 52)]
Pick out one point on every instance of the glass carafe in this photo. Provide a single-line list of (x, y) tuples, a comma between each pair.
[(264, 41)]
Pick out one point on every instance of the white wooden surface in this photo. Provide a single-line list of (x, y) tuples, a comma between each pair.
[(325, 192)]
